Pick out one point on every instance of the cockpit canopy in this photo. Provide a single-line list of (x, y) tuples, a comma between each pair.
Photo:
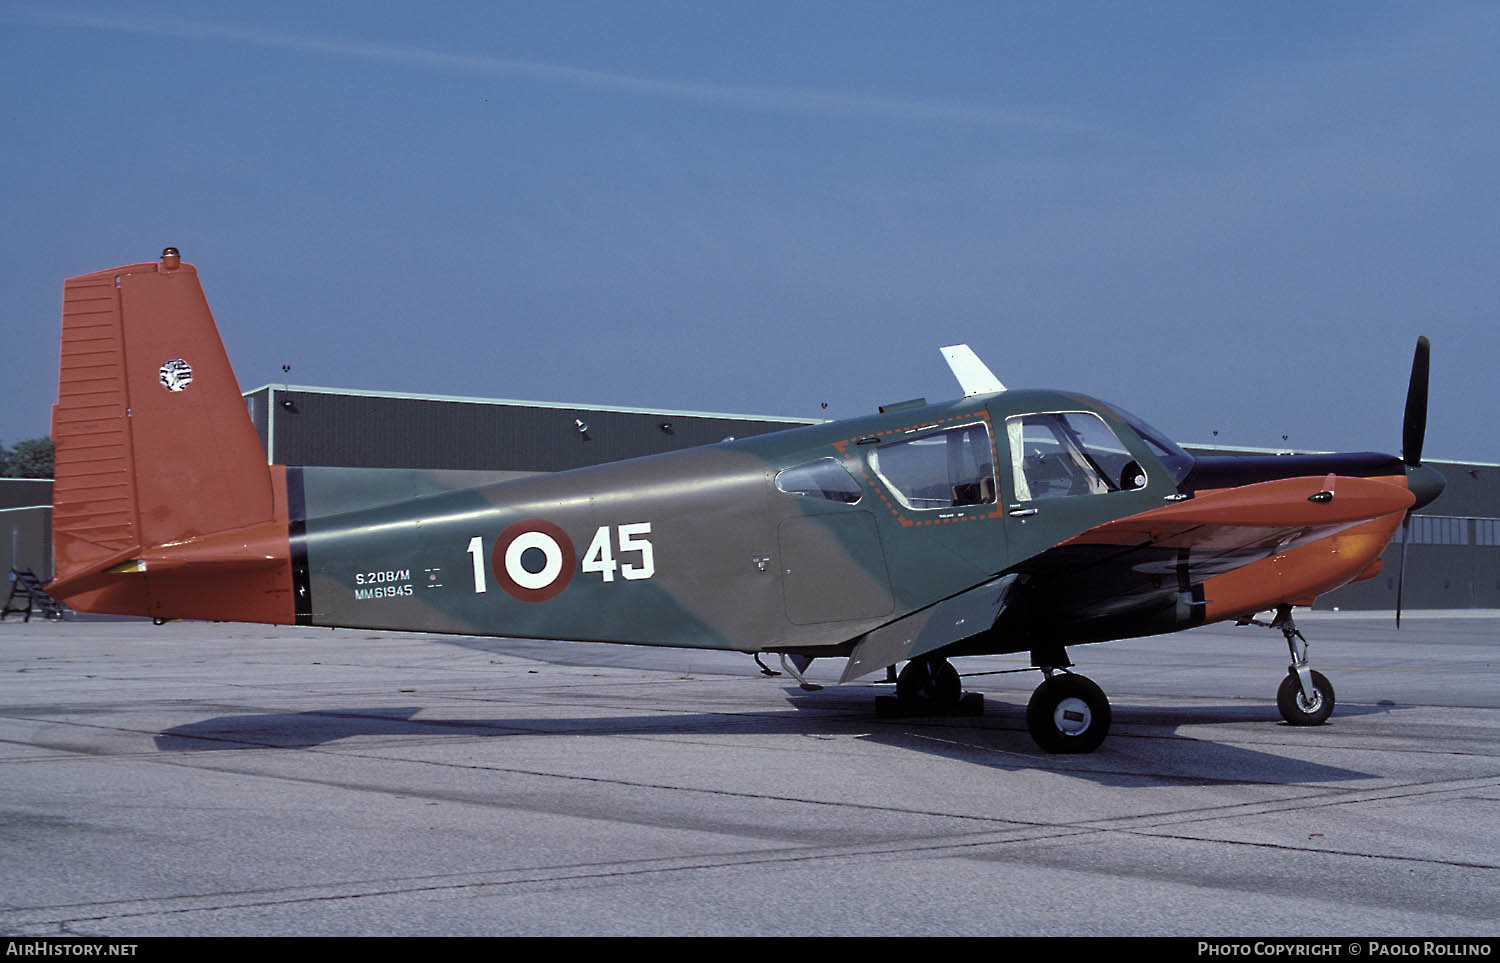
[(1067, 446)]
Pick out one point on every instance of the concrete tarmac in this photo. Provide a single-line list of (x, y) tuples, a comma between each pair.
[(206, 779)]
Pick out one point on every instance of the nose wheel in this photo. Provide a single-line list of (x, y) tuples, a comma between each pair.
[(1297, 707)]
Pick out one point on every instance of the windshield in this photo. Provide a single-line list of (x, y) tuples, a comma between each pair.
[(1177, 462)]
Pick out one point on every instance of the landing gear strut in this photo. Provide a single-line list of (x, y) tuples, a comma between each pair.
[(1305, 696)]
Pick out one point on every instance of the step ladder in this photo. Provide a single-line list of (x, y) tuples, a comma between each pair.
[(27, 595)]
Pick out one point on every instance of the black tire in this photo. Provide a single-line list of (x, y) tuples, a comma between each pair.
[(930, 685), (1068, 714), (1294, 705)]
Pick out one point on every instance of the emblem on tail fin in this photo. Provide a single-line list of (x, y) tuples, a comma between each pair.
[(176, 375)]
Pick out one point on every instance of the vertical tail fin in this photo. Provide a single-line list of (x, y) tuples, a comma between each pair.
[(159, 472)]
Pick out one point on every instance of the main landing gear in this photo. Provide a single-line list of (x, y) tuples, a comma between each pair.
[(1067, 713), (929, 686), (929, 683)]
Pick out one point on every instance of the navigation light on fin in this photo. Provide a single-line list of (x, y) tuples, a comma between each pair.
[(972, 374)]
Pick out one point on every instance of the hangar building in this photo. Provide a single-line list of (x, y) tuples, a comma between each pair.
[(1453, 561), (373, 429)]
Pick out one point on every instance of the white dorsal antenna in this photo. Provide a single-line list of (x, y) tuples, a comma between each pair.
[(973, 375)]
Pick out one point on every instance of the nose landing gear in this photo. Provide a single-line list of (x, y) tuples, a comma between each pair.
[(1305, 696)]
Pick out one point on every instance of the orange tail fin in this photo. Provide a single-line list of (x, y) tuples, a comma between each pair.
[(163, 503)]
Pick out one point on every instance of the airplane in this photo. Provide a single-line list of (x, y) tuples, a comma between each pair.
[(1006, 521)]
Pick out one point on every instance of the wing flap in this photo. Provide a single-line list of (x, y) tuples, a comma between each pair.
[(968, 613)]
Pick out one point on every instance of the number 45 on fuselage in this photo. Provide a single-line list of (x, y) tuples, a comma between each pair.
[(1005, 521)]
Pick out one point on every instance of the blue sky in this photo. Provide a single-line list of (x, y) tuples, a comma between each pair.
[(1223, 216)]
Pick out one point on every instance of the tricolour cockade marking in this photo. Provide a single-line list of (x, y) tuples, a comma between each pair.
[(533, 560)]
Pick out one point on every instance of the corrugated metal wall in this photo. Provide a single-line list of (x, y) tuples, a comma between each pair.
[(25, 526), (309, 427)]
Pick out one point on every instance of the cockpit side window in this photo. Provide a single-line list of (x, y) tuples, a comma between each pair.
[(1063, 453), (941, 469), (824, 478)]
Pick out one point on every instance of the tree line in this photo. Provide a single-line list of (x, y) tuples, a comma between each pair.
[(27, 459)]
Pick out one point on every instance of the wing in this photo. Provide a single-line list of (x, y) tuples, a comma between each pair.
[(1219, 555)]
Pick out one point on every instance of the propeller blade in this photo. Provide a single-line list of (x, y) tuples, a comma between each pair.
[(1414, 425), (1401, 575)]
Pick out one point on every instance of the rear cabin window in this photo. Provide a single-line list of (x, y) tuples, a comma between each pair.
[(824, 478), (942, 469), (1063, 453)]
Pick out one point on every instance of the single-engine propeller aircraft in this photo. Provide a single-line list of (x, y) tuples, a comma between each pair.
[(1006, 521)]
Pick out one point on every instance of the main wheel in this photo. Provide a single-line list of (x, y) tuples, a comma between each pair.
[(1068, 713), (1295, 707), (929, 684)]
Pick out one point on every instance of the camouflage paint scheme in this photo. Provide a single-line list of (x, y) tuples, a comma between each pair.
[(738, 564), (164, 507)]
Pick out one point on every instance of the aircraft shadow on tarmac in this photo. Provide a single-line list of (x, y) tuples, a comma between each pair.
[(1143, 749)]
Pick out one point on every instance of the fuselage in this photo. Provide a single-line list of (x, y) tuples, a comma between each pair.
[(810, 538)]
